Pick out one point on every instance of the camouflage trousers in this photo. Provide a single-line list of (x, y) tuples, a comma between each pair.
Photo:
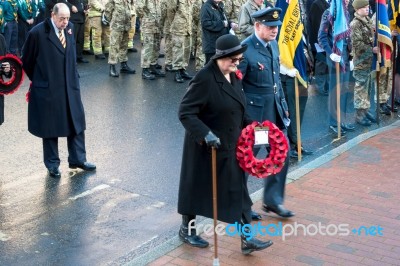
[(150, 49), (168, 49), (385, 85), (180, 51), (197, 49), (118, 47), (132, 32), (362, 89), (86, 35), (100, 35)]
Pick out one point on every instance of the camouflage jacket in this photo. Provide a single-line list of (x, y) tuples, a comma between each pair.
[(181, 13), (149, 12), (362, 37), (118, 12), (246, 22)]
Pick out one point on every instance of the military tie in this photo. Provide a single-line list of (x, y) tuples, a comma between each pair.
[(62, 38), (268, 46)]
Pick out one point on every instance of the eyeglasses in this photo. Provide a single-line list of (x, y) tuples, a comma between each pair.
[(235, 60)]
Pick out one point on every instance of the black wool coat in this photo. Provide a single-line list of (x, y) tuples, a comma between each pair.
[(55, 106), (213, 104)]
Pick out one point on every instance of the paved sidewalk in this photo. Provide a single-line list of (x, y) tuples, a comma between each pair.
[(356, 184)]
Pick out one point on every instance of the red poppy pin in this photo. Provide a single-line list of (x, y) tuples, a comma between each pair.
[(69, 31), (239, 74), (260, 66)]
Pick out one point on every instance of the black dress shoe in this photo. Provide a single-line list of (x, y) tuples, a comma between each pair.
[(255, 216), (254, 244), (348, 127), (192, 239), (86, 166), (185, 74), (54, 172), (82, 60), (279, 210), (335, 131), (370, 117)]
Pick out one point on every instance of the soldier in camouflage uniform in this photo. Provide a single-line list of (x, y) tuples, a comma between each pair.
[(196, 39), (118, 12), (96, 9), (132, 31), (166, 22), (362, 38), (246, 22), (181, 29), (149, 12), (232, 10)]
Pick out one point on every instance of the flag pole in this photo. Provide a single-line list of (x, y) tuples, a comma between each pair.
[(394, 42), (296, 91), (378, 67), (339, 129), (215, 214)]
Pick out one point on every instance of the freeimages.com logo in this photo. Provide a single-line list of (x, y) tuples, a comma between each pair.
[(286, 230)]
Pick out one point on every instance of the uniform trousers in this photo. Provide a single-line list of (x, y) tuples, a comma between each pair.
[(118, 47)]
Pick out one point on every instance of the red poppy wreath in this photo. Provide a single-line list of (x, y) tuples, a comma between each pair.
[(275, 160)]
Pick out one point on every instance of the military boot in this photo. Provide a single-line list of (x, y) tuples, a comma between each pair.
[(361, 118), (126, 69), (249, 243), (146, 74), (190, 237), (178, 77), (157, 72), (370, 117), (113, 71)]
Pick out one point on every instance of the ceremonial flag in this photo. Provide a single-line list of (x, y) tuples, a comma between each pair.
[(384, 37), (290, 41), (393, 12)]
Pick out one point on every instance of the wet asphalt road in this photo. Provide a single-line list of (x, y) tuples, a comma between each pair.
[(128, 205)]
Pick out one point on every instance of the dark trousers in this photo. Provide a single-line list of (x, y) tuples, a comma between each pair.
[(76, 150), (11, 36), (23, 29), (79, 30), (290, 95)]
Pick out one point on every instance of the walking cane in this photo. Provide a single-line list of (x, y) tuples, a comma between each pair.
[(214, 187), (339, 129), (296, 92)]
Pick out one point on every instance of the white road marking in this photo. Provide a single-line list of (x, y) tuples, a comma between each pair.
[(90, 191)]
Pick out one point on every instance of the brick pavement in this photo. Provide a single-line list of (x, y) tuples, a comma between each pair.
[(358, 187)]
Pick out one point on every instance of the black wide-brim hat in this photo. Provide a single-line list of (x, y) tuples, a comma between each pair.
[(228, 45)]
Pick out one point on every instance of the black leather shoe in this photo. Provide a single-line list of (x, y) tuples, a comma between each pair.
[(126, 69), (254, 244), (113, 71), (192, 239), (335, 131), (255, 216), (168, 68), (100, 56), (279, 210), (54, 172), (146, 74), (86, 166), (185, 74), (178, 77), (82, 60), (370, 117), (348, 127)]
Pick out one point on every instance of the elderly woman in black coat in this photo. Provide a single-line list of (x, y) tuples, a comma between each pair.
[(213, 114)]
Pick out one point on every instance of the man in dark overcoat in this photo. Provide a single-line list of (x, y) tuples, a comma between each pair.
[(213, 111), (55, 107), (265, 96)]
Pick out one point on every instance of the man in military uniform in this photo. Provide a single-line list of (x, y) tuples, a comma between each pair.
[(246, 22), (149, 12), (265, 96), (196, 36), (119, 14), (132, 31), (181, 30), (232, 10), (166, 21)]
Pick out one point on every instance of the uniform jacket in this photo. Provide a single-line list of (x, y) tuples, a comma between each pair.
[(213, 104), (180, 11), (26, 12), (78, 17), (118, 12), (246, 22), (96, 8), (212, 18), (55, 107), (260, 74), (362, 38), (150, 13)]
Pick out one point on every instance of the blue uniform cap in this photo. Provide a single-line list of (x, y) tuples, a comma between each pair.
[(268, 16)]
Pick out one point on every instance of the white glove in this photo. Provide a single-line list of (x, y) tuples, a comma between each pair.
[(292, 72), (335, 58), (351, 65)]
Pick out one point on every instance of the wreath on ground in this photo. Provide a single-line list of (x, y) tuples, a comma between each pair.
[(275, 160)]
